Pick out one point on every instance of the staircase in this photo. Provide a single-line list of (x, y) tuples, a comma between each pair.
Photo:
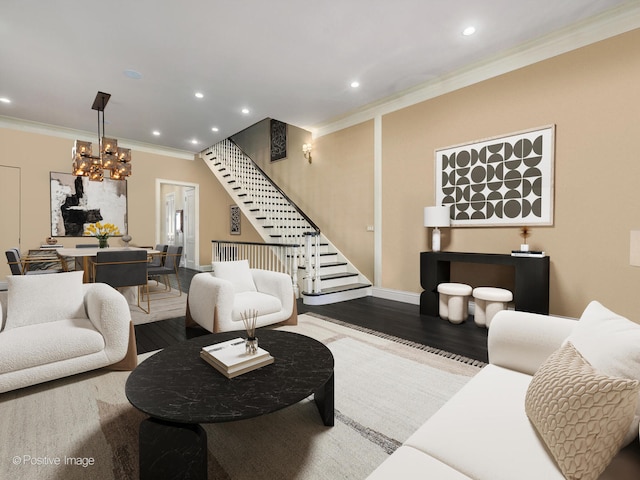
[(319, 271)]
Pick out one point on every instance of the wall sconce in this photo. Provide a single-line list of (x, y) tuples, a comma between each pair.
[(436, 217), (306, 151)]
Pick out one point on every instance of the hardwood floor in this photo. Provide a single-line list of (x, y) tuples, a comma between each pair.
[(392, 318)]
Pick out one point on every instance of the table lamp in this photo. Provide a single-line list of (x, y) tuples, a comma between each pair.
[(436, 217)]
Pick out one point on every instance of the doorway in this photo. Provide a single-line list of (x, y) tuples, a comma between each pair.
[(177, 219), (10, 198)]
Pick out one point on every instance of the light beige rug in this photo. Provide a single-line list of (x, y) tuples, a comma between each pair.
[(164, 304), (385, 389)]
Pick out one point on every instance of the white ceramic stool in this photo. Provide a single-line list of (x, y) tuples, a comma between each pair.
[(489, 301), (453, 302)]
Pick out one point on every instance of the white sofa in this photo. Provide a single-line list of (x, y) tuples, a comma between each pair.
[(217, 300), (483, 432), (53, 326)]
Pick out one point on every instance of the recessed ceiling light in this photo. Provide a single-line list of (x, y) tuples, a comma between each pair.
[(355, 84), (132, 74), (199, 95), (4, 100), (156, 133), (245, 111), (469, 31), (194, 141), (215, 129)]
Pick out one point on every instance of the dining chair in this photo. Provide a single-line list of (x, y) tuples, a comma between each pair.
[(157, 259), (123, 269), (169, 267), (20, 265)]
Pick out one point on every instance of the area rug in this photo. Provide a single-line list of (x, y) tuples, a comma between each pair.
[(165, 304), (83, 427)]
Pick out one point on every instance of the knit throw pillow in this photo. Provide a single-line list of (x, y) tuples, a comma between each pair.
[(581, 414)]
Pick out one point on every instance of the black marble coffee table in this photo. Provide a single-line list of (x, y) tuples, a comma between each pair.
[(179, 391)]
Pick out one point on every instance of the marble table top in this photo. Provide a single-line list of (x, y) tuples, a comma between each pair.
[(176, 385)]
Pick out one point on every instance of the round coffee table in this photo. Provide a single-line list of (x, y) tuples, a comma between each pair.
[(179, 390)]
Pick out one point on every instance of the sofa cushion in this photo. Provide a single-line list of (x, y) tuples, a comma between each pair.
[(247, 301), (237, 272), (38, 299), (610, 343), (483, 431), (50, 342), (582, 415), (407, 463)]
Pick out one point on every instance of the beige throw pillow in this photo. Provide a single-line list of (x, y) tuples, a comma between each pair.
[(581, 415)]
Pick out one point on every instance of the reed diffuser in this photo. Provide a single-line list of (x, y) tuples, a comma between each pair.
[(250, 318)]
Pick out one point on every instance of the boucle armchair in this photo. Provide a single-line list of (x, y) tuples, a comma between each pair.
[(217, 300), (53, 326)]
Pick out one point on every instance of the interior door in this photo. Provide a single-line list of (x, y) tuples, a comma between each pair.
[(170, 218), (190, 228), (9, 214)]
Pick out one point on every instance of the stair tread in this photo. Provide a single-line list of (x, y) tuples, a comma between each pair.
[(341, 288), (332, 276)]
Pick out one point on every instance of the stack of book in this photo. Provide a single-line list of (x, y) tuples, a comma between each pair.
[(528, 253), (231, 359)]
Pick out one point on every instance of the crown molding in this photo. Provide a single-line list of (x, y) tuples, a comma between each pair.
[(71, 134), (609, 24)]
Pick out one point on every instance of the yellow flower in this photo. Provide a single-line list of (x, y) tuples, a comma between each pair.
[(102, 230)]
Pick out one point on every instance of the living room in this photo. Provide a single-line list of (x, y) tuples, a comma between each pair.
[(376, 168)]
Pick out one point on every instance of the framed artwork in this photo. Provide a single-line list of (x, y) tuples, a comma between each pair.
[(500, 181), (278, 137), (77, 202), (235, 220)]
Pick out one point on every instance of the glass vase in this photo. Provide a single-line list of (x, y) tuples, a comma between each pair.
[(102, 242), (251, 345)]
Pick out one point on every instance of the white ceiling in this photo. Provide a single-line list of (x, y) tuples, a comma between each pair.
[(292, 60)]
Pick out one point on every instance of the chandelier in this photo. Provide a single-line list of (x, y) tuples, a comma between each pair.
[(111, 158)]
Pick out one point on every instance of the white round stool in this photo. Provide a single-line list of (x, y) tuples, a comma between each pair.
[(454, 300), (489, 301)]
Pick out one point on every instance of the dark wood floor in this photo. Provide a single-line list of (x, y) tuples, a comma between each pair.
[(392, 318)]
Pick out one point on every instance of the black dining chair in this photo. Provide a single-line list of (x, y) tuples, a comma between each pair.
[(123, 269), (169, 267)]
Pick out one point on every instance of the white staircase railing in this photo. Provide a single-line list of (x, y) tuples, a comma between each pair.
[(292, 242)]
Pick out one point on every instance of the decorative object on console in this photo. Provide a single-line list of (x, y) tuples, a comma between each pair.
[(524, 233), (498, 181), (102, 231), (436, 217), (126, 239), (115, 159)]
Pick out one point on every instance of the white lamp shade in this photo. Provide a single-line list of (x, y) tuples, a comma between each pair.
[(437, 216)]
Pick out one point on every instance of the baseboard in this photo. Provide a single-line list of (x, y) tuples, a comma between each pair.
[(205, 268), (396, 295)]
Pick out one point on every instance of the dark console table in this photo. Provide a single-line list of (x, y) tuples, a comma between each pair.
[(531, 291)]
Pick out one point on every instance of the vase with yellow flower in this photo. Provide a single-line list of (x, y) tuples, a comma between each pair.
[(102, 231)]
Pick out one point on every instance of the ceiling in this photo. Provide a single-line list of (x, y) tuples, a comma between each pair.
[(292, 60)]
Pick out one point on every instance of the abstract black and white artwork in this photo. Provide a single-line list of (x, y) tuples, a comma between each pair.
[(278, 140), (499, 181), (76, 202)]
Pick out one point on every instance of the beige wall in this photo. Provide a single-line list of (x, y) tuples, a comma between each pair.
[(37, 154), (592, 96)]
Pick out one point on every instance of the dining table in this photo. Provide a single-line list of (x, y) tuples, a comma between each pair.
[(86, 253)]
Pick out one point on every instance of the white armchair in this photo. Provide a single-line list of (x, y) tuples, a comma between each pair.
[(53, 326), (217, 300)]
